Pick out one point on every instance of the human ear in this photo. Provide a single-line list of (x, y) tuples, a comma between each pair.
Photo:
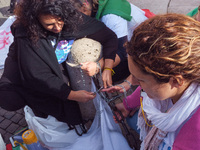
[(177, 80), (86, 9)]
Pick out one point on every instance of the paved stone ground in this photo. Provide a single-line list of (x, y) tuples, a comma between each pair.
[(10, 122)]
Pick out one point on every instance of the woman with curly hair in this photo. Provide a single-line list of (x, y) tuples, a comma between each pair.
[(164, 60), (33, 74)]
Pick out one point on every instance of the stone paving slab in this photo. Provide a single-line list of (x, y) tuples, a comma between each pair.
[(10, 122)]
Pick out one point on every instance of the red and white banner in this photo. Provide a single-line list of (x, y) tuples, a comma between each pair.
[(6, 38)]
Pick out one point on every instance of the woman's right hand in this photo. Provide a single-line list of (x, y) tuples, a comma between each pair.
[(81, 96), (90, 68), (117, 88)]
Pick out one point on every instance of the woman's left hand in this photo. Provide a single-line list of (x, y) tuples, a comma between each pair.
[(107, 73), (107, 78), (117, 88), (90, 68), (124, 111)]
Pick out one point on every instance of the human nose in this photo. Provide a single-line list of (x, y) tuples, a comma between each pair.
[(58, 26)]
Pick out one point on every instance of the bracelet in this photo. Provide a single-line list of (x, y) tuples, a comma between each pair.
[(129, 83), (113, 72), (125, 97)]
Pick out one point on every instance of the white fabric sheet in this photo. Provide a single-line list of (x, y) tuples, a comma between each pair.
[(6, 38)]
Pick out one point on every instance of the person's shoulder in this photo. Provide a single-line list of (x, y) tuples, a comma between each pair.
[(190, 130), (18, 30), (91, 20), (88, 26)]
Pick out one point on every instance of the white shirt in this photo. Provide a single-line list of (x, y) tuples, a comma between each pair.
[(121, 26)]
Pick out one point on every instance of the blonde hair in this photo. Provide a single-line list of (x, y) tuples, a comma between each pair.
[(167, 45)]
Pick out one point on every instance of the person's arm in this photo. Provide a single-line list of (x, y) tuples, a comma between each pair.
[(109, 41), (37, 74), (126, 86), (107, 73), (116, 23), (81, 96), (132, 101), (127, 107), (92, 68)]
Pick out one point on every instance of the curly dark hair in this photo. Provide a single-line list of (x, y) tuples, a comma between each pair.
[(28, 12), (79, 3), (167, 45)]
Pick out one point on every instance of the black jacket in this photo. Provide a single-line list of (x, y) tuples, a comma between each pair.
[(34, 73)]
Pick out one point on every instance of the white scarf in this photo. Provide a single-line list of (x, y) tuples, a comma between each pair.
[(178, 113)]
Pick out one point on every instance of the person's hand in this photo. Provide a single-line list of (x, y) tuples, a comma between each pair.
[(124, 111), (107, 73), (117, 88), (126, 85), (81, 96), (90, 68), (107, 78)]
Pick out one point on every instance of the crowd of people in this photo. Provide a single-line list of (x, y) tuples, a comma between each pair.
[(159, 54)]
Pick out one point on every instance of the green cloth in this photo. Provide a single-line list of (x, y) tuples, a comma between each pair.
[(120, 8), (193, 12), (16, 148)]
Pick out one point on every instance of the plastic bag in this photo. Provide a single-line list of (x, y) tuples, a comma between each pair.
[(2, 144), (6, 38), (104, 133), (50, 131)]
